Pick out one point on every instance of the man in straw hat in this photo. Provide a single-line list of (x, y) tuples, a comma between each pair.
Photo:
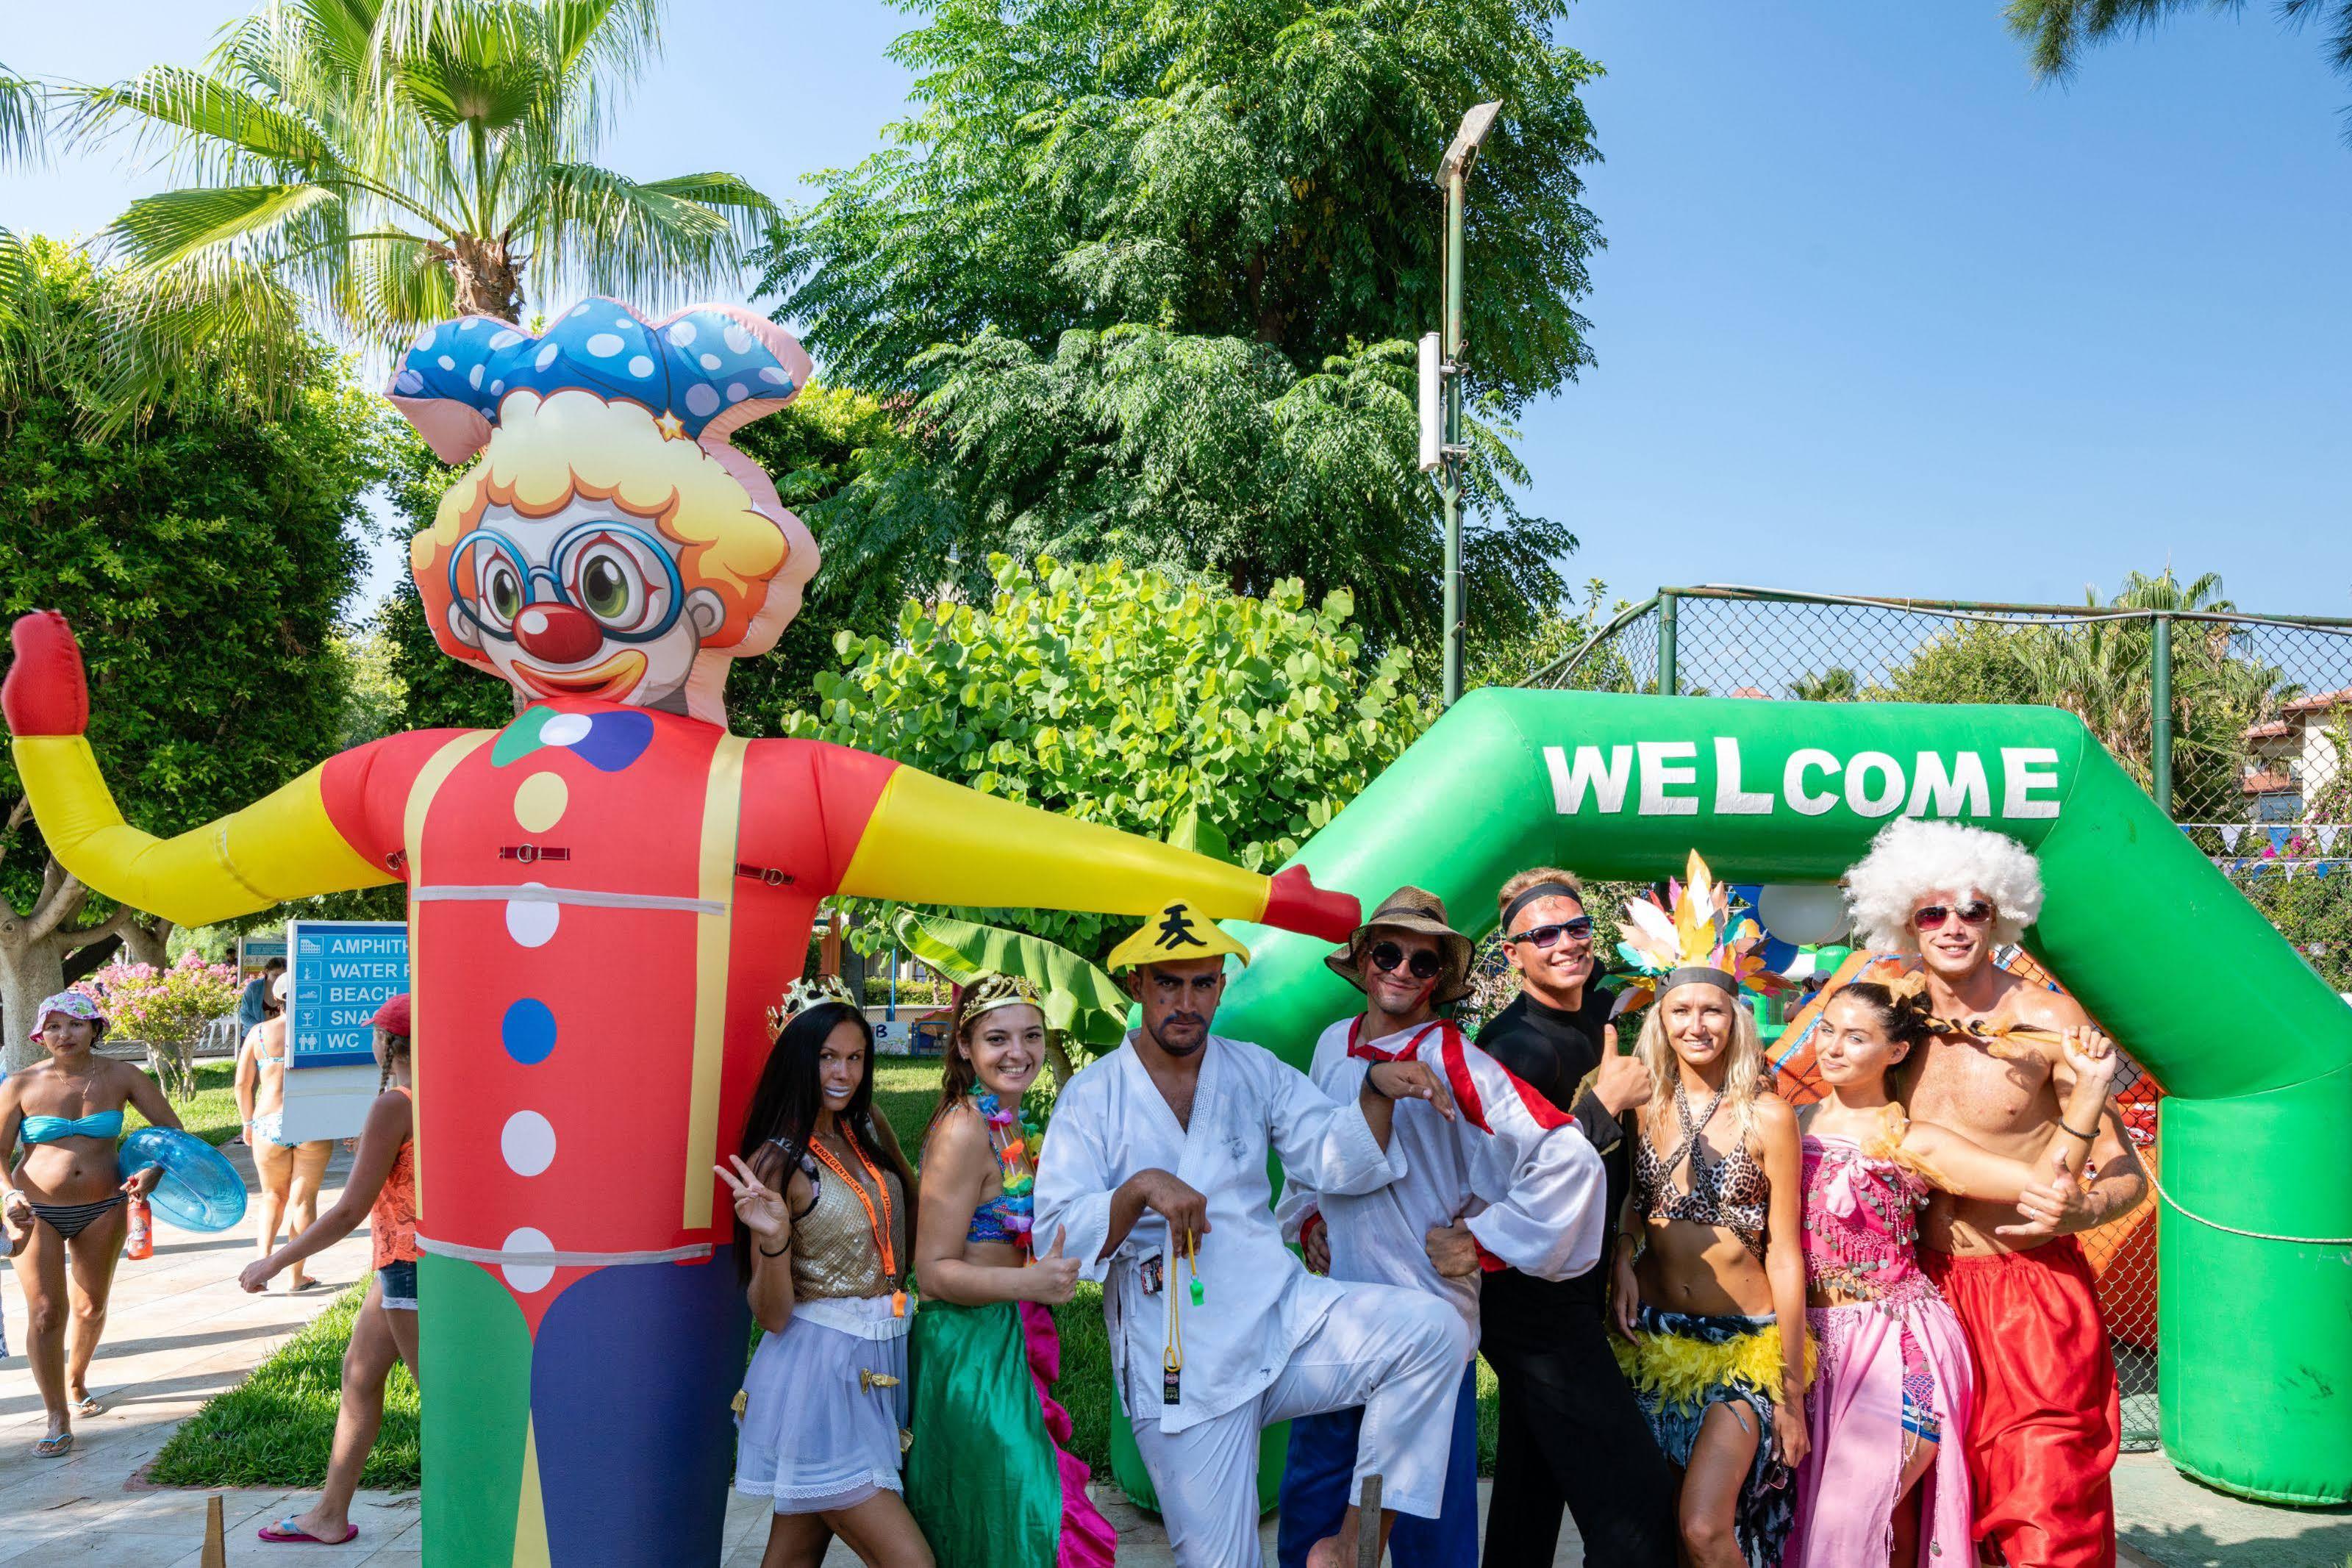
[(1156, 1168), (1507, 1180)]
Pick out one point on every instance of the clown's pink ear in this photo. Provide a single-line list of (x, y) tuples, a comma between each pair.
[(707, 372)]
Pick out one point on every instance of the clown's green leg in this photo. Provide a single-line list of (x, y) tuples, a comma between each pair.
[(481, 1491)]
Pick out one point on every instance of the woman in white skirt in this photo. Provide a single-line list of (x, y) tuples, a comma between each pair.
[(822, 1194)]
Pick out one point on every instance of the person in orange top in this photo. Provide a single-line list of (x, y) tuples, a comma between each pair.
[(380, 1188)]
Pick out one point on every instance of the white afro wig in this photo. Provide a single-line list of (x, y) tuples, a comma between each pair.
[(1912, 858)]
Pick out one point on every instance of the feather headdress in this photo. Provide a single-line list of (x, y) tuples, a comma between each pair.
[(1694, 935)]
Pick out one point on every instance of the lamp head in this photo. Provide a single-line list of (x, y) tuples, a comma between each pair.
[(1470, 138)]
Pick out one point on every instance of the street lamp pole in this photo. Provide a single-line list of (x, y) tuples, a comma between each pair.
[(1449, 450)]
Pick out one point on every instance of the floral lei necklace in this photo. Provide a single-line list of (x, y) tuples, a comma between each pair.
[(1013, 1135)]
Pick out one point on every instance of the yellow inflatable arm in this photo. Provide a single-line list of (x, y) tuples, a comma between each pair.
[(930, 842), (282, 846)]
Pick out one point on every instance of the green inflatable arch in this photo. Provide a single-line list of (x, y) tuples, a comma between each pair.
[(2254, 1051)]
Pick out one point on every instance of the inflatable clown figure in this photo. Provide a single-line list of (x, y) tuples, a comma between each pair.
[(604, 897)]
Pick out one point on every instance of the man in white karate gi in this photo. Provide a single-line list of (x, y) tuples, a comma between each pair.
[(1507, 1182), (1155, 1167)]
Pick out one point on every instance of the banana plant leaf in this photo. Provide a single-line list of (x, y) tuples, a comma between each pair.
[(1081, 1000)]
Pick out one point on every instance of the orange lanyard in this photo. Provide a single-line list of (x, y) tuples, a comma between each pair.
[(879, 1224)]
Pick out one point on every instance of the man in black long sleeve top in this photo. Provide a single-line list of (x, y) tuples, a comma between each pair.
[(1571, 1433)]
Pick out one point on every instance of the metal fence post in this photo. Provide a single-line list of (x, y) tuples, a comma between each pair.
[(1667, 602), (2159, 744)]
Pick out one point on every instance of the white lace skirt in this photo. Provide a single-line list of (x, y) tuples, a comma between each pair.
[(815, 1436)]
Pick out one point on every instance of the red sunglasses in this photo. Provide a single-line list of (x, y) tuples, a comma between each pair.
[(1932, 915)]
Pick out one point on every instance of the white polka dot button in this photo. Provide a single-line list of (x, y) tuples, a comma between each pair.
[(530, 922), (527, 1278), (528, 1142), (564, 729)]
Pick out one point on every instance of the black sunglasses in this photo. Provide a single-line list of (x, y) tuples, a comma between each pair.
[(1934, 915), (1577, 930), (1423, 964)]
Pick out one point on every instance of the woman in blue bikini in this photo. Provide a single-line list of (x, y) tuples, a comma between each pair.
[(68, 1113)]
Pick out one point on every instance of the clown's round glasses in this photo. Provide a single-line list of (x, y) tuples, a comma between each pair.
[(593, 567)]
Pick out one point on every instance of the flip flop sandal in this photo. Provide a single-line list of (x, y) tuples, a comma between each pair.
[(285, 1532), (88, 1405), (54, 1448)]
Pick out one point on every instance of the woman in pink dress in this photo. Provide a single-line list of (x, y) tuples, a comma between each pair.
[(1894, 1375)]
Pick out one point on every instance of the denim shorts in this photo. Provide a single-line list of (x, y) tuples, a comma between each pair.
[(399, 1281)]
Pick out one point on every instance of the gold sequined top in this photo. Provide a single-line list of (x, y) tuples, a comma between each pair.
[(834, 1256)]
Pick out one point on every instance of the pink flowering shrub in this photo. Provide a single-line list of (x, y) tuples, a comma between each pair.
[(169, 1008)]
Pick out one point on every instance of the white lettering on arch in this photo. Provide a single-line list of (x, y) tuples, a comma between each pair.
[(1858, 793), (1607, 785), (2027, 772), (1659, 773), (1801, 761), (1959, 791), (1730, 800)]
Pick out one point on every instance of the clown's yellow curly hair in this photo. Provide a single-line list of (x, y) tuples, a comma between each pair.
[(547, 453)]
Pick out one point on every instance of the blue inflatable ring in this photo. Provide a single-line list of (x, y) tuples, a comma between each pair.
[(200, 1189)]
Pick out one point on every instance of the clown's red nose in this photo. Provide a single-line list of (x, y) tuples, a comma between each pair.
[(559, 634)]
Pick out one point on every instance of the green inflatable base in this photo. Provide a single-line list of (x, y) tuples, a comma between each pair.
[(1127, 1460)]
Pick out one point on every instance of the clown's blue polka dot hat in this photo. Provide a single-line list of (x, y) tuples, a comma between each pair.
[(703, 372)]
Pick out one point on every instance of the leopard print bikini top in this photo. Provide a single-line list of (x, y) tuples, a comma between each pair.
[(1732, 1192)]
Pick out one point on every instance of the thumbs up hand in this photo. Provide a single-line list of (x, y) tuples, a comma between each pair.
[(1053, 1279)]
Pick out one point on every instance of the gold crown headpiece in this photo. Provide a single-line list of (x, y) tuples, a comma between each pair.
[(809, 991), (989, 992)]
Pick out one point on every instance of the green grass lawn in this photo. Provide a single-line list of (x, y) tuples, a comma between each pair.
[(275, 1428), (211, 1111)]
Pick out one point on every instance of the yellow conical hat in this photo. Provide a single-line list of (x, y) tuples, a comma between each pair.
[(1174, 934)]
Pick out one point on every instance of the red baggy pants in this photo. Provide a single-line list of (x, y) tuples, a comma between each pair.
[(2048, 1422)]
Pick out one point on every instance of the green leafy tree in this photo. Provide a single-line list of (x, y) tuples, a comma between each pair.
[(1835, 684), (201, 564), (390, 165), (2058, 31), (1150, 270), (1238, 726)]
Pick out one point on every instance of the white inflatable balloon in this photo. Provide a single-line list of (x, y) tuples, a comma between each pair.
[(1802, 912)]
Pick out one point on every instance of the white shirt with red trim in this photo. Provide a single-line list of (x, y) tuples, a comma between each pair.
[(1512, 1167)]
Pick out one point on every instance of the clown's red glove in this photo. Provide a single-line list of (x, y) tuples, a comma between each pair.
[(1295, 903), (45, 692)]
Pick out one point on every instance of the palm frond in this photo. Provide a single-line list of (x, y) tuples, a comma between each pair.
[(199, 113), (268, 222), (24, 118), (616, 235)]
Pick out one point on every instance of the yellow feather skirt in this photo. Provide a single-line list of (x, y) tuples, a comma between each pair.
[(1682, 1370)]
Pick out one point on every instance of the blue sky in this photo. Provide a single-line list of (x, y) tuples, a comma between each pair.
[(1878, 314)]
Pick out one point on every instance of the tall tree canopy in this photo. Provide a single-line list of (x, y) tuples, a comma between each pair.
[(202, 561), (393, 162), (1147, 272), (2057, 31)]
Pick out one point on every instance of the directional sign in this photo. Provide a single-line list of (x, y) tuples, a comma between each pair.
[(342, 971)]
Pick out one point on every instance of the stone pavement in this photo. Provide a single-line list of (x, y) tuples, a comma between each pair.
[(178, 1332), (181, 1332)]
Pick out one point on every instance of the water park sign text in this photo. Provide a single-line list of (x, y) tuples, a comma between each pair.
[(1661, 778)]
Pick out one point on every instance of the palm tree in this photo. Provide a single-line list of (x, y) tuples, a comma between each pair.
[(21, 125), (1835, 684), (2057, 30), (393, 162)]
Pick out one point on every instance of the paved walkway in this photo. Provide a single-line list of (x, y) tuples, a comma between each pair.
[(178, 1332), (182, 1332)]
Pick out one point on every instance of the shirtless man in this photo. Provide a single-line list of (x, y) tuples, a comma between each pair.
[(2047, 1424)]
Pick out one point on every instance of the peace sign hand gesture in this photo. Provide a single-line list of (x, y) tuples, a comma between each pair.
[(760, 1206)]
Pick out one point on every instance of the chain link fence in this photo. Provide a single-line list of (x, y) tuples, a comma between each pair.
[(2239, 725)]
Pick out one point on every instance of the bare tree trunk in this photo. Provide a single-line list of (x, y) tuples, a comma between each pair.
[(143, 939), (34, 945)]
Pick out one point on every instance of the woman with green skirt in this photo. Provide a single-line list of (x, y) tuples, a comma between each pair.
[(987, 1479)]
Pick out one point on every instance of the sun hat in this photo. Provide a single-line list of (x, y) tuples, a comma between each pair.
[(281, 984), (73, 1004), (1410, 908)]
